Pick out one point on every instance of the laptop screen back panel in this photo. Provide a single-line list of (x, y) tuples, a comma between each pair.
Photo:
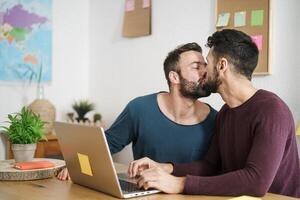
[(86, 154)]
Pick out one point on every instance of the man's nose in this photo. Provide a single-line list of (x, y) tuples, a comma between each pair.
[(202, 68)]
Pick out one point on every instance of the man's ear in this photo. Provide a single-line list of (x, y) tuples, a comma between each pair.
[(174, 77), (222, 65)]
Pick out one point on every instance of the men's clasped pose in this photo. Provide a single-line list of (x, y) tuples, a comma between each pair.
[(254, 148), (168, 126)]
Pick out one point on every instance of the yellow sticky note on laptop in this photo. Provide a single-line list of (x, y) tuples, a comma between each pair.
[(84, 164), (245, 198)]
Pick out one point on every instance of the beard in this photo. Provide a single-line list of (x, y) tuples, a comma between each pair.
[(212, 84), (191, 89)]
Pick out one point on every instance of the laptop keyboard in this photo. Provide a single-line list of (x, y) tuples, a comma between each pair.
[(128, 187)]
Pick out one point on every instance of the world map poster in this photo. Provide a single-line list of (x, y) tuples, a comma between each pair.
[(26, 41)]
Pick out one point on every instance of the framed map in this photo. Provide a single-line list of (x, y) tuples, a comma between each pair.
[(26, 40)]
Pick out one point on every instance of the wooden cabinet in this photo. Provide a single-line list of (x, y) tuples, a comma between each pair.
[(45, 148)]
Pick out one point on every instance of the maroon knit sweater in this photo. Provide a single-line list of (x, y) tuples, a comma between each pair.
[(254, 151)]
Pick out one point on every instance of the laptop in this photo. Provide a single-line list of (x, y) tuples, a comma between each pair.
[(89, 161)]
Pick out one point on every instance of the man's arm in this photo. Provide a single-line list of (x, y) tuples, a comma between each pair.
[(121, 132), (210, 165), (261, 166)]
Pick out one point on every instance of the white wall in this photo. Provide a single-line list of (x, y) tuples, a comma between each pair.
[(123, 68), (88, 34), (70, 63), (285, 57)]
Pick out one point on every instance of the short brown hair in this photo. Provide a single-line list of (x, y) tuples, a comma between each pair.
[(237, 47), (171, 61)]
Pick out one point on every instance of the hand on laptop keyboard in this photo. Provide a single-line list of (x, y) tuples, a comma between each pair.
[(137, 166), (156, 175), (160, 179)]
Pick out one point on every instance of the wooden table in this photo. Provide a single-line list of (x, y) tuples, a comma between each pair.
[(53, 189)]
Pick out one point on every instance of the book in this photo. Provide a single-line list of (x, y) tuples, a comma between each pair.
[(34, 165)]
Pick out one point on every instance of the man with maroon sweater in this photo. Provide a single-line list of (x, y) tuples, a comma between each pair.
[(254, 149)]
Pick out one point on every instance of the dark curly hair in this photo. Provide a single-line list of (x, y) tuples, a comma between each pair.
[(237, 47), (171, 61)]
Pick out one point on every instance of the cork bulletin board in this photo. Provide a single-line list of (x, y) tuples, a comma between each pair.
[(252, 17), (137, 18)]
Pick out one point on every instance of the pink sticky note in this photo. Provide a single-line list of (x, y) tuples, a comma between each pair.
[(129, 5), (146, 3), (257, 39)]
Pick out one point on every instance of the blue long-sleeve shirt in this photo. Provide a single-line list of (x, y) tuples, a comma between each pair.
[(154, 135)]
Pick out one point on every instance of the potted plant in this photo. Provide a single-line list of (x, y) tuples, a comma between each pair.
[(82, 107), (24, 131), (97, 117)]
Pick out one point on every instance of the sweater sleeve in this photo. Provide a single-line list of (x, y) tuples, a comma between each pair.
[(208, 166), (121, 132), (263, 161)]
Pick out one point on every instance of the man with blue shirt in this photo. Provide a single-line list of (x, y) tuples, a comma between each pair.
[(168, 126)]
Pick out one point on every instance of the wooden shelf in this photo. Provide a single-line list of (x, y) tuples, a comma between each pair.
[(45, 148)]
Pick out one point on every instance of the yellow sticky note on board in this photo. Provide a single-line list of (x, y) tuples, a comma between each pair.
[(245, 198), (223, 19), (85, 165)]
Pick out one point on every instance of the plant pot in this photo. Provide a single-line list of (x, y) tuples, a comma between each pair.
[(82, 119), (23, 152)]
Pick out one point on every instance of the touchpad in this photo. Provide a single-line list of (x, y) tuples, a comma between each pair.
[(125, 177)]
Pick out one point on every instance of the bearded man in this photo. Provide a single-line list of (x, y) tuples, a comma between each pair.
[(168, 126), (254, 149)]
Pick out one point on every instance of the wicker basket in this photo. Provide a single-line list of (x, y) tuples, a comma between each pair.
[(47, 112)]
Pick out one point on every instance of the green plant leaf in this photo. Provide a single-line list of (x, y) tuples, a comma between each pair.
[(25, 127), (82, 107)]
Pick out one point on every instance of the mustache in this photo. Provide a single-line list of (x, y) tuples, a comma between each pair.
[(202, 80)]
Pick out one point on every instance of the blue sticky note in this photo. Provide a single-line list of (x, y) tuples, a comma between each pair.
[(240, 19)]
